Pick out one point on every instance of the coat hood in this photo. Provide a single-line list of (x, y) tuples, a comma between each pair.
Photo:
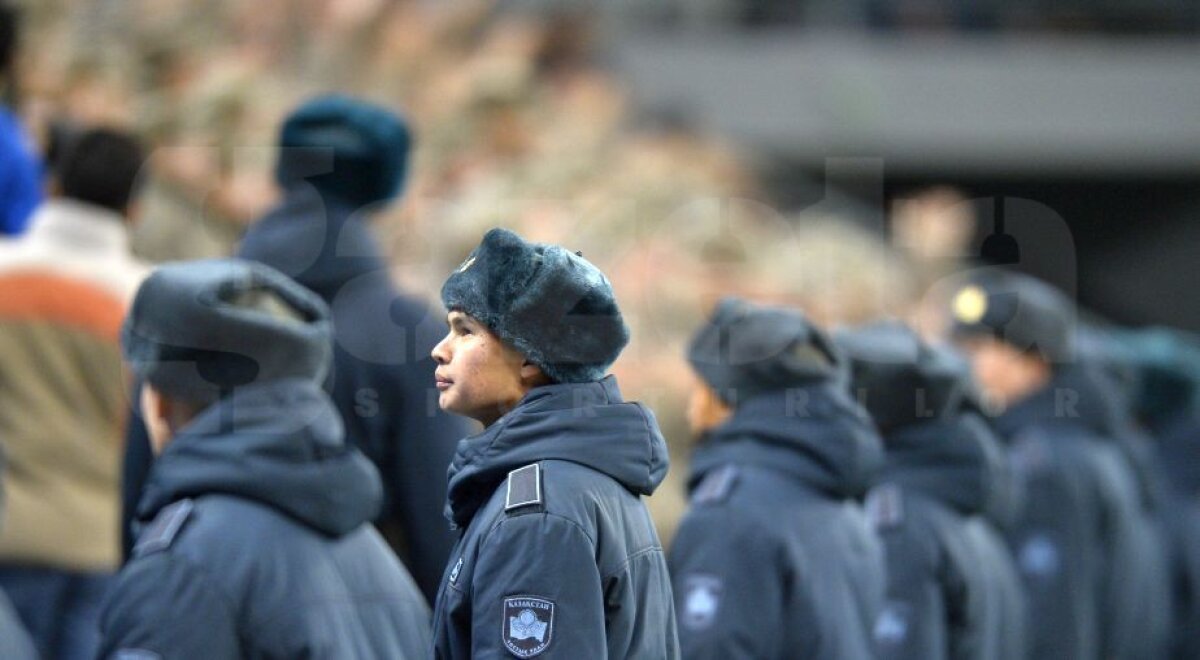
[(279, 444), (815, 433), (318, 241), (585, 423), (955, 460)]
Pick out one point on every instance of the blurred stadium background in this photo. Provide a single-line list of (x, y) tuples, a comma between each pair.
[(841, 155)]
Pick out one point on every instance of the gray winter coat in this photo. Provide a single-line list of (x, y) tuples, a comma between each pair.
[(776, 557), (953, 590), (558, 557), (259, 543)]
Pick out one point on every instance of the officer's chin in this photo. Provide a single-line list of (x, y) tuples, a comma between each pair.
[(446, 401)]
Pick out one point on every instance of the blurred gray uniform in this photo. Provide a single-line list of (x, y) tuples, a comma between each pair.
[(953, 591), (256, 538), (1085, 543), (775, 557)]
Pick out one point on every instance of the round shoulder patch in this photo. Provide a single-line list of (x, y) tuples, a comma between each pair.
[(701, 601)]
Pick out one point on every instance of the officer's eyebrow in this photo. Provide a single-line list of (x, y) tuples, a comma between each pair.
[(456, 320)]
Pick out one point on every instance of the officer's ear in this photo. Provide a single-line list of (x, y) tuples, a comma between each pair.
[(155, 415), (705, 409), (164, 416), (532, 375)]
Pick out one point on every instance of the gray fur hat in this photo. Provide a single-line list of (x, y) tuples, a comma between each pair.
[(746, 349), (198, 329), (549, 303)]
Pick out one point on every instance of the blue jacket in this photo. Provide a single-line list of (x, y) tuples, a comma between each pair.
[(1177, 457), (257, 543), (383, 374), (775, 557), (953, 590), (1089, 550), (20, 178), (560, 559)]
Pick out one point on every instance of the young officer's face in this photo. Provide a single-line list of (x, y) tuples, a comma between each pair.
[(1005, 374), (478, 375)]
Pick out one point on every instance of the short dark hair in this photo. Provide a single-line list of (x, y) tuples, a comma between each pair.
[(101, 167)]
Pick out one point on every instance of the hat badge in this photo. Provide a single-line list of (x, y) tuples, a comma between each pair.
[(466, 264), (970, 304)]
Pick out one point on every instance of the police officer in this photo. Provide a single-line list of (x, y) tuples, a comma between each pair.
[(775, 557), (1087, 552), (558, 556), (341, 159), (953, 591), (257, 539), (1159, 369)]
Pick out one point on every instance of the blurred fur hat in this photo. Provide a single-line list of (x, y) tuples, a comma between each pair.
[(198, 329), (348, 149), (745, 350)]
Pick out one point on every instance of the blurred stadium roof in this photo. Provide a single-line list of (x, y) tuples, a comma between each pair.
[(947, 104)]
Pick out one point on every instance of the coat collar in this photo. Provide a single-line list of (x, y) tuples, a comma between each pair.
[(76, 226)]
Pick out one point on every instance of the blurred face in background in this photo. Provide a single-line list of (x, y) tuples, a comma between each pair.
[(478, 375), (705, 409), (1005, 374)]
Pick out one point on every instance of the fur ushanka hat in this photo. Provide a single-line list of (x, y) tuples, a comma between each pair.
[(551, 304)]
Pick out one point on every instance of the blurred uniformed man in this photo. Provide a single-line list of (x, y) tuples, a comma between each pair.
[(256, 539), (341, 160), (1089, 555), (558, 557), (953, 591), (1160, 370), (775, 557)]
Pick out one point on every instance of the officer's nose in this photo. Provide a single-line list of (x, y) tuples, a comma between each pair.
[(441, 352)]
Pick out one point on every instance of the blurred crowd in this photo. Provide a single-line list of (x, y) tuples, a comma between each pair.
[(514, 122)]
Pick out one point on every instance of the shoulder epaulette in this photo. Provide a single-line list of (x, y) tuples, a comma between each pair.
[(524, 489), (159, 534), (716, 485), (885, 506)]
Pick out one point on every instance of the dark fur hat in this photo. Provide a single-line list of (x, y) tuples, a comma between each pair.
[(746, 349), (350, 150), (549, 303), (902, 380)]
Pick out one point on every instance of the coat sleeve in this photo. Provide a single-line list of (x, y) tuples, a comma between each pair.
[(1056, 551), (730, 590), (913, 623), (162, 607), (1134, 587), (545, 565)]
